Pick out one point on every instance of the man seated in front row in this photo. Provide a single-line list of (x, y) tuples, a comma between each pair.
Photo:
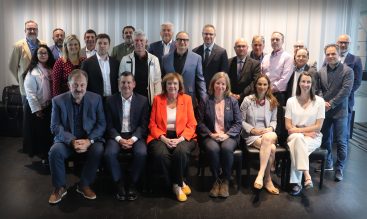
[(127, 115), (78, 124)]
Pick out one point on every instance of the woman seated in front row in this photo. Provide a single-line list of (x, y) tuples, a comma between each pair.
[(219, 127), (259, 115), (304, 116), (172, 130)]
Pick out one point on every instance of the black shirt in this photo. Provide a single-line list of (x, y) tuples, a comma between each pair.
[(141, 75), (179, 61)]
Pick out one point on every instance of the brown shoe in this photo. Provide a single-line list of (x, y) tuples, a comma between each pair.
[(57, 195), (87, 192), (223, 190), (215, 189)]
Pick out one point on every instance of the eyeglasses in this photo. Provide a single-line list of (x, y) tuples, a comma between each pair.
[(182, 40), (42, 53), (31, 29)]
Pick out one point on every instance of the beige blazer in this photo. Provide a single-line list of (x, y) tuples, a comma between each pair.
[(19, 61)]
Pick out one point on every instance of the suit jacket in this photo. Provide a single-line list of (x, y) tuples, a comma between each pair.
[(249, 117), (313, 71), (243, 85), (156, 49), (19, 60), (154, 73), (95, 78), (62, 123), (232, 117), (55, 52), (337, 92), (139, 116), (185, 118), (192, 75), (355, 63), (217, 61)]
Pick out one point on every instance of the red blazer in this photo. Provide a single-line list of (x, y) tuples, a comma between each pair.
[(185, 118)]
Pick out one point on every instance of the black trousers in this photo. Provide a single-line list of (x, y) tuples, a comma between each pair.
[(280, 130), (172, 163)]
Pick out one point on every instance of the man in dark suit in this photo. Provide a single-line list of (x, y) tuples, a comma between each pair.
[(214, 57), (300, 65), (90, 44), (336, 82), (188, 64), (102, 69), (127, 116), (78, 124), (242, 71), (355, 63), (164, 46)]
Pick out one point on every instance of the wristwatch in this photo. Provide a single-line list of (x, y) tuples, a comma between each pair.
[(91, 141)]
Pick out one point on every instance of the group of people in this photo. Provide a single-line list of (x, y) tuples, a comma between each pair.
[(163, 100)]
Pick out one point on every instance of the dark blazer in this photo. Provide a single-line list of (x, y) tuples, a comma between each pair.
[(355, 63), (218, 61), (232, 117), (95, 78), (337, 93), (244, 85), (139, 116), (156, 49), (192, 75), (62, 123), (313, 71)]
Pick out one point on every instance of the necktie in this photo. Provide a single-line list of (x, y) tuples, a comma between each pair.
[(239, 69), (207, 50)]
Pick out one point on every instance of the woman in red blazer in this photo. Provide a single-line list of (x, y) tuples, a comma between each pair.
[(172, 131)]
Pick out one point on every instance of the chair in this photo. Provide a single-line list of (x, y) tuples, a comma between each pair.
[(253, 154), (321, 155), (237, 165)]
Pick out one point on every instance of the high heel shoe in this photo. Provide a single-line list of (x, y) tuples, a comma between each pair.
[(258, 184), (272, 189)]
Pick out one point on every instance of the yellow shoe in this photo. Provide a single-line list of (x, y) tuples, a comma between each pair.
[(180, 195), (186, 189)]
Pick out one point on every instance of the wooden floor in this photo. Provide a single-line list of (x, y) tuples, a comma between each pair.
[(25, 187)]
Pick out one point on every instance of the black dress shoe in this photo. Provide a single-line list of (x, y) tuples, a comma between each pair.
[(132, 194), (296, 190), (121, 194)]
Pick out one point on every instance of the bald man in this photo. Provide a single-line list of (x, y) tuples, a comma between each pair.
[(355, 63), (242, 71)]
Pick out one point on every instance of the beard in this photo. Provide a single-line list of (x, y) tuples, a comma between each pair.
[(129, 41)]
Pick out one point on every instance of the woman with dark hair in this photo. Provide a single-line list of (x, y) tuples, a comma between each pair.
[(219, 128), (304, 116), (64, 65), (171, 133), (259, 120), (37, 85)]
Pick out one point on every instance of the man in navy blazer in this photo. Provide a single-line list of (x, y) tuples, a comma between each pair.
[(336, 81), (78, 124), (58, 36), (102, 69), (214, 57), (164, 46), (355, 63), (127, 115), (188, 64), (242, 71)]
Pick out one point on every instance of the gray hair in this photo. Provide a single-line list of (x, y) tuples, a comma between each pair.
[(167, 24), (139, 33)]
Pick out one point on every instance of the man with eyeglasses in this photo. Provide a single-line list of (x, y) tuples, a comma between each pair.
[(166, 45), (278, 66), (188, 64), (242, 71), (355, 63), (214, 57), (19, 61)]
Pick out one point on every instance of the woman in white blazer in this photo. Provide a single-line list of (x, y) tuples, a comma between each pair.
[(37, 85), (259, 120)]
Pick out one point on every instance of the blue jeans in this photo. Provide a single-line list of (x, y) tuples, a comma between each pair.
[(340, 130), (59, 152), (139, 151)]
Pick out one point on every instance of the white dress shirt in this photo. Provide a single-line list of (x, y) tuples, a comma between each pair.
[(104, 65)]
